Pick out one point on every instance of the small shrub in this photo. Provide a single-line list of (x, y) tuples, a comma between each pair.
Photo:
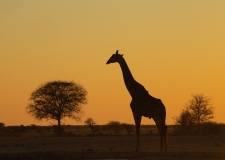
[(128, 127), (114, 126)]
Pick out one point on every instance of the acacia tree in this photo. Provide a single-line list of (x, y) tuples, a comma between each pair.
[(184, 120), (90, 122), (198, 110), (57, 100), (201, 108)]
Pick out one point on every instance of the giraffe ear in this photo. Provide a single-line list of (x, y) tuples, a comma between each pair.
[(122, 55)]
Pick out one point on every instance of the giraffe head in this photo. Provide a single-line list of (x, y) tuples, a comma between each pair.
[(115, 58)]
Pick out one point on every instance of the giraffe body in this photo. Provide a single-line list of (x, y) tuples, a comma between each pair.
[(142, 104)]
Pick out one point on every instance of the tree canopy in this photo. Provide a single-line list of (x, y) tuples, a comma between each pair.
[(197, 110), (90, 122), (57, 100), (201, 108)]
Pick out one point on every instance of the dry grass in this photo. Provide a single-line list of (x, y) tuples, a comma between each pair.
[(33, 145), (110, 145)]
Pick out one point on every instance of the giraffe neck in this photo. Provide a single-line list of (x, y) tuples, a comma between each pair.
[(133, 87)]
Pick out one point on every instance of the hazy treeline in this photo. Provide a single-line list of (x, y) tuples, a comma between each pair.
[(113, 128), (206, 128)]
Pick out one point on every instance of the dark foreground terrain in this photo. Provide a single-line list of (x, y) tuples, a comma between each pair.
[(111, 147)]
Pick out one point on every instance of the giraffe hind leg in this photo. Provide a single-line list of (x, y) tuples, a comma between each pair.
[(165, 137), (161, 142), (162, 132)]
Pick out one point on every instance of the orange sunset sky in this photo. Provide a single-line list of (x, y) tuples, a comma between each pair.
[(174, 48)]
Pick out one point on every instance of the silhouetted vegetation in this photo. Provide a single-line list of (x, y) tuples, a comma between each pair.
[(2, 125), (184, 121), (207, 128), (90, 122), (196, 117), (213, 128), (114, 127), (128, 127), (57, 100), (109, 129)]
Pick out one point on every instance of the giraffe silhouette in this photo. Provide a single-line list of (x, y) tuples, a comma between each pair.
[(142, 104)]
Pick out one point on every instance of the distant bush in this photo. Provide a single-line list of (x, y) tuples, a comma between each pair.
[(206, 128), (2, 125), (90, 122), (128, 127), (114, 126), (33, 127), (188, 130)]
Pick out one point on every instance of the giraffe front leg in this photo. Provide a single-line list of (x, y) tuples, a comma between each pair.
[(137, 123), (165, 138), (138, 138), (160, 129), (161, 142)]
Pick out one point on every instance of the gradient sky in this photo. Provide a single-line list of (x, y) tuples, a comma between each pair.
[(174, 48)]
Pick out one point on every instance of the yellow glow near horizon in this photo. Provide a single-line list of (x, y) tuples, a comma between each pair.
[(173, 48)]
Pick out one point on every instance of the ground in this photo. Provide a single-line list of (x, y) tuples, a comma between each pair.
[(111, 147)]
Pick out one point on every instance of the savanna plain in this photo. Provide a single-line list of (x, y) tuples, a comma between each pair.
[(78, 142)]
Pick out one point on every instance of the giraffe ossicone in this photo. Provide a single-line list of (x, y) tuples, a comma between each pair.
[(142, 103)]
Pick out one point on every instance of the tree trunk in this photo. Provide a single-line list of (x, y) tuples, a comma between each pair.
[(92, 130), (59, 128)]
